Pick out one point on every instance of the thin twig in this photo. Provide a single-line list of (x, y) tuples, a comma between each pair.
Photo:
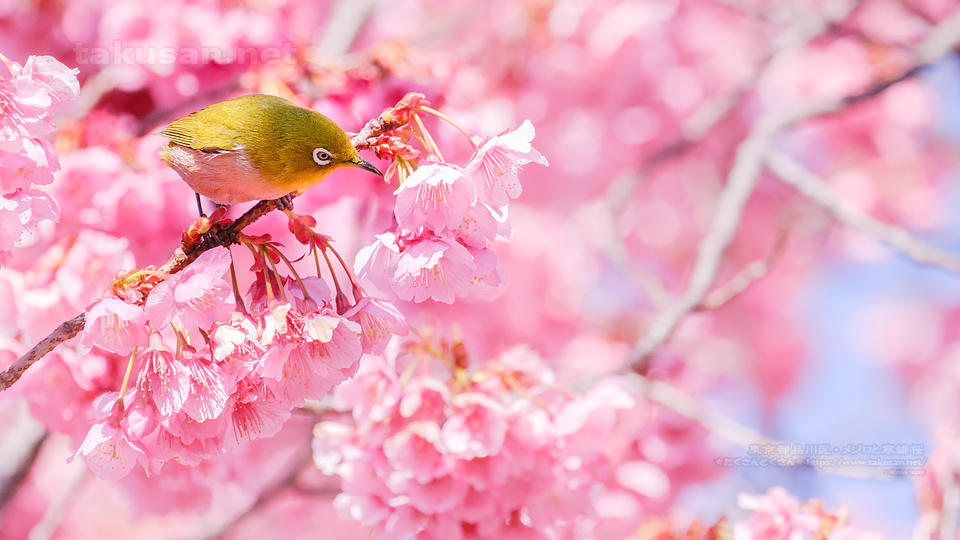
[(740, 183), (745, 278), (371, 132), (177, 262), (817, 191)]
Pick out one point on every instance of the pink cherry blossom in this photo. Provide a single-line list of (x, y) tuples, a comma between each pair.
[(435, 196), (254, 415), (197, 298), (57, 79), (20, 212), (647, 123), (476, 426), (434, 268), (379, 321), (115, 326), (112, 446), (34, 163), (479, 227), (464, 465), (496, 162), (378, 261), (166, 378), (209, 388), (328, 356)]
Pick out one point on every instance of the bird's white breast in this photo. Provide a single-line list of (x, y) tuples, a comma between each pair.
[(225, 177)]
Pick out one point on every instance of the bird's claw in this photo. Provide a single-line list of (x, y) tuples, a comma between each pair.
[(286, 202)]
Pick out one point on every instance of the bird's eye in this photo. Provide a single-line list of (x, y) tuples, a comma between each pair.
[(322, 156)]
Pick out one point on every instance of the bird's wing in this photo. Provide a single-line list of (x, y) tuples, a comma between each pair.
[(210, 137)]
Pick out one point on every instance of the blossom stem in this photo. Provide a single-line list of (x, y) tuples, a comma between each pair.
[(126, 379), (294, 272), (353, 279), (432, 144), (470, 136), (273, 265), (316, 259), (336, 282), (258, 254), (236, 287), (401, 172)]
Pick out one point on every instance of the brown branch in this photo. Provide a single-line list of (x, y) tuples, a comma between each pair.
[(229, 235), (63, 332), (740, 183), (371, 132)]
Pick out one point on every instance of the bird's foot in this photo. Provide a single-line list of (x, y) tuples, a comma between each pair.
[(286, 202), (206, 232)]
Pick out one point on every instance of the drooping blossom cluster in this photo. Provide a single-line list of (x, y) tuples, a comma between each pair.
[(30, 95), (446, 216), (212, 371), (439, 451)]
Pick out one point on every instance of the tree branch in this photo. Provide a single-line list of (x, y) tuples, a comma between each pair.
[(740, 183), (63, 332), (689, 407), (817, 191)]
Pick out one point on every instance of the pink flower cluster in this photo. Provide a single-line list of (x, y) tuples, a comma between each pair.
[(214, 372), (777, 514), (453, 454), (447, 217), (30, 96)]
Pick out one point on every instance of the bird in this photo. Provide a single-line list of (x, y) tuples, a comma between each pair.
[(256, 147)]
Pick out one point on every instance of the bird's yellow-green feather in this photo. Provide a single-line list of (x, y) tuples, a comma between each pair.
[(277, 137)]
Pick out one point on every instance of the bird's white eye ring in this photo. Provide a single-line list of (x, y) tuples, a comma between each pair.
[(321, 156)]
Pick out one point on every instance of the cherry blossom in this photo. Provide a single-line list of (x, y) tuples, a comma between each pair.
[(462, 464), (30, 95), (115, 326), (196, 298), (436, 197), (379, 321), (496, 163)]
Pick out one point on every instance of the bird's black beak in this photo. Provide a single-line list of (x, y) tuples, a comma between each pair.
[(364, 164)]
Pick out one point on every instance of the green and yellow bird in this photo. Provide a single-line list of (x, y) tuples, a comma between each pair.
[(256, 147)]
